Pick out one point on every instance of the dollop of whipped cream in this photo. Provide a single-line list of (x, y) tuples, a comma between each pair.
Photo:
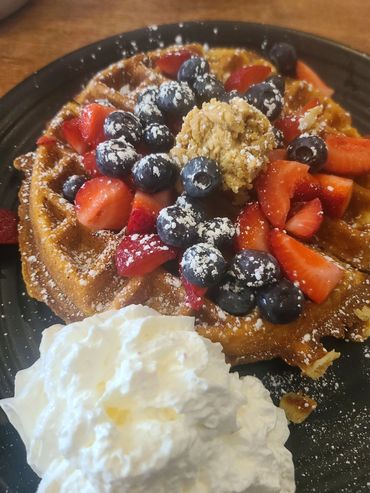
[(133, 401)]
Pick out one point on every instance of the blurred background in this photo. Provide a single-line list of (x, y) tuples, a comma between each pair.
[(43, 30)]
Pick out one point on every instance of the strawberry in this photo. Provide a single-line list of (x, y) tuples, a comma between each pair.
[(307, 221), (304, 72), (91, 122), (46, 140), (317, 276), (72, 134), (335, 194), (349, 156), (289, 125), (275, 187), (170, 62), (194, 294), (138, 255), (89, 162), (242, 78), (103, 203), (8, 227), (307, 189), (145, 210), (253, 229)]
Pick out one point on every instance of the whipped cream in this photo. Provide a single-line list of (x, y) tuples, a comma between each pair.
[(133, 401)]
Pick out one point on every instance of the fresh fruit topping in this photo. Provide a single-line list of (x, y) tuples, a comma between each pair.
[(115, 158), (203, 265), (46, 140), (123, 124), (304, 72), (280, 304), (289, 126), (148, 112), (252, 229), (71, 186), (278, 81), (177, 226), (335, 194), (276, 186), (284, 56), (200, 176), (243, 78), (307, 189), (226, 97), (266, 98), (170, 62), (192, 206), (308, 149), (175, 98), (158, 137), (254, 269), (307, 221), (138, 255), (89, 163), (72, 134), (8, 227), (206, 87), (194, 295), (103, 203), (191, 69), (145, 210), (234, 298), (154, 173), (279, 137), (148, 95), (315, 274), (91, 122), (349, 156), (218, 231), (277, 155)]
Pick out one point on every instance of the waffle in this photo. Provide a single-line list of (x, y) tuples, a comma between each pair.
[(71, 269)]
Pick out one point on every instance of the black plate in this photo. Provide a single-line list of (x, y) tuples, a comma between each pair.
[(331, 450)]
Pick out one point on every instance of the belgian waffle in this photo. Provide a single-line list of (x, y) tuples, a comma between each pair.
[(71, 269)]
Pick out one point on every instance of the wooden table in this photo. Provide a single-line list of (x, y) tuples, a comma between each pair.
[(46, 29)]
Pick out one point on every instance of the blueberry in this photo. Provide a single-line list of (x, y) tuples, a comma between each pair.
[(193, 206), (226, 97), (192, 68), (217, 231), (206, 87), (115, 158), (266, 98), (154, 173), (175, 98), (279, 137), (203, 265), (254, 269), (148, 113), (234, 298), (123, 124), (277, 81), (200, 176), (148, 95), (281, 303), (71, 186), (176, 226), (158, 137), (284, 56), (308, 149)]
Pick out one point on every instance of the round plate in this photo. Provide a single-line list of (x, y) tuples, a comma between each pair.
[(331, 450)]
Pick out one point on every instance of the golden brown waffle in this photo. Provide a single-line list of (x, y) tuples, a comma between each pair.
[(71, 269)]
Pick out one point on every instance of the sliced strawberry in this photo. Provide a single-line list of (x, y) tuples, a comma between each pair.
[(91, 122), (103, 203), (277, 155), (8, 227), (72, 134), (289, 125), (145, 210), (317, 276), (194, 294), (307, 221), (242, 78), (307, 189), (253, 229), (304, 72), (138, 255), (275, 187), (335, 194), (46, 140), (89, 162), (349, 156), (170, 62)]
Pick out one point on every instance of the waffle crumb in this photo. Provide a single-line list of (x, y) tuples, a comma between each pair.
[(235, 134), (297, 407)]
